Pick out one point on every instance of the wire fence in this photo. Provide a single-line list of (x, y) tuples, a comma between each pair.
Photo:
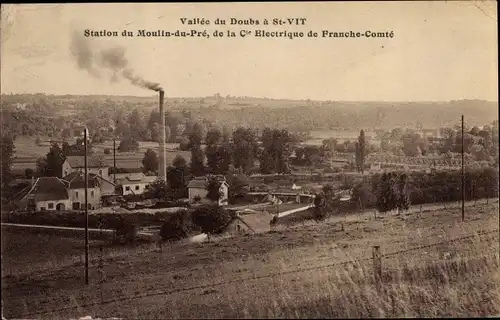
[(161, 291)]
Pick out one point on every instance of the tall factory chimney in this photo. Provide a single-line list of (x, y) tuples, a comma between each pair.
[(163, 154)]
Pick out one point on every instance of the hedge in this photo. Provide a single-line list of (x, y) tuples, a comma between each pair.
[(442, 186)]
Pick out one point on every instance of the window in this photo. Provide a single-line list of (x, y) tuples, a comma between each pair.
[(92, 193), (51, 205), (127, 188), (100, 172), (76, 194), (136, 187)]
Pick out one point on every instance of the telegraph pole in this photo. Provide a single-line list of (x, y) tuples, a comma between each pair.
[(463, 172), (86, 211), (114, 160)]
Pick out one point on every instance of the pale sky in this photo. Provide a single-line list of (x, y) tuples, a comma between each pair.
[(440, 50)]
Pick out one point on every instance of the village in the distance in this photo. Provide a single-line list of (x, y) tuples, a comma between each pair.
[(234, 167)]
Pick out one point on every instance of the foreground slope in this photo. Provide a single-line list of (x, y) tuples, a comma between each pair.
[(315, 270)]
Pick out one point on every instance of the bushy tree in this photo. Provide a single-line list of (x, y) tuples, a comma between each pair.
[(276, 150), (318, 206), (157, 190), (386, 195), (362, 195), (7, 149), (213, 189), (150, 161), (176, 177), (177, 226), (361, 151), (125, 231), (179, 162), (197, 159), (213, 141), (403, 197), (414, 145), (224, 155), (51, 165), (136, 125), (211, 219), (196, 136), (245, 149), (237, 185), (129, 144)]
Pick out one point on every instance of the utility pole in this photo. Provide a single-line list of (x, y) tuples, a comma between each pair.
[(463, 172), (86, 211), (114, 160)]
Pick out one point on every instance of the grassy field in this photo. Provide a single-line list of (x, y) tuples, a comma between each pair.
[(27, 152), (312, 270), (47, 250)]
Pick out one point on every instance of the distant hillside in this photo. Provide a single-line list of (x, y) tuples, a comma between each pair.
[(301, 115)]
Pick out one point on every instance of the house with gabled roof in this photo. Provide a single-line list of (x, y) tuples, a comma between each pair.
[(45, 194), (95, 164), (135, 184), (197, 189), (107, 187), (76, 190)]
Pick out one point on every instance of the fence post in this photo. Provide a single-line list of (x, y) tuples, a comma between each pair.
[(101, 273), (377, 264)]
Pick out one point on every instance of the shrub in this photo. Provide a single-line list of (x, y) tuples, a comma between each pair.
[(125, 231), (107, 151), (176, 226), (212, 219)]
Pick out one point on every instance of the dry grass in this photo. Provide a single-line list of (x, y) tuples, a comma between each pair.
[(293, 273)]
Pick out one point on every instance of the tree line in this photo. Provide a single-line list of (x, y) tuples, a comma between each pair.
[(398, 190)]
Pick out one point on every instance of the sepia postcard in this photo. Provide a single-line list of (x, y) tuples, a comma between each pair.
[(249, 160)]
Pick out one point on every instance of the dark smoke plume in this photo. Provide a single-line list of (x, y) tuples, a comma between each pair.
[(112, 59)]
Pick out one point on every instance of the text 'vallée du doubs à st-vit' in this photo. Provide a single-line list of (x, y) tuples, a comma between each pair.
[(203, 33)]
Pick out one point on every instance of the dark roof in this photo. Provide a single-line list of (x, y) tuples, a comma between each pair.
[(76, 180), (256, 222), (49, 188), (201, 182), (92, 162), (197, 183), (135, 179)]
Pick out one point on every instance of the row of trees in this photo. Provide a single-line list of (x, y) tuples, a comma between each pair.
[(482, 143), (395, 190), (398, 190), (241, 152)]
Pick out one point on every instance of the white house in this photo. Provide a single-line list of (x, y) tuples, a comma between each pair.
[(135, 184), (95, 165), (46, 194), (130, 172), (76, 191), (197, 188)]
